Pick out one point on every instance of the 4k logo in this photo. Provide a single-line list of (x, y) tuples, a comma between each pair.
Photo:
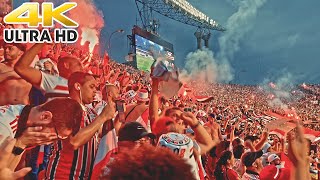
[(49, 14), (28, 13)]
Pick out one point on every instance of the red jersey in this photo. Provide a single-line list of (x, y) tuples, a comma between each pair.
[(231, 175)]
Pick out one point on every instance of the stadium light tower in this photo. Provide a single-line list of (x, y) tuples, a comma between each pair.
[(109, 40), (198, 35), (206, 36)]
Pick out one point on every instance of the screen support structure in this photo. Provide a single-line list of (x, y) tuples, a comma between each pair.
[(149, 23)]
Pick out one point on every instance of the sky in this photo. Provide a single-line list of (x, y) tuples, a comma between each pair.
[(282, 37)]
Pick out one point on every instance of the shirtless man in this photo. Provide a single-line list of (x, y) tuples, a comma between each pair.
[(140, 111), (13, 89)]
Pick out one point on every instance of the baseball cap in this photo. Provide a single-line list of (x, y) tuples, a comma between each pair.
[(273, 157), (133, 131), (250, 157)]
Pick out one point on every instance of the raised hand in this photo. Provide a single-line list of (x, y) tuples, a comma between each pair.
[(34, 136), (297, 149), (5, 152), (297, 153), (189, 119)]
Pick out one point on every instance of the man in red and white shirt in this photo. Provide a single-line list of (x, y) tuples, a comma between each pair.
[(52, 86), (73, 158)]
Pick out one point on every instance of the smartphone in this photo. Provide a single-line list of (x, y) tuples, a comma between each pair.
[(120, 106), (120, 109)]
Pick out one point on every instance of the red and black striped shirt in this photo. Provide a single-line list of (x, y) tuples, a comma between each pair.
[(67, 163)]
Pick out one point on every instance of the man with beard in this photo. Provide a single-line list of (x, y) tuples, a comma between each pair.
[(13, 89)]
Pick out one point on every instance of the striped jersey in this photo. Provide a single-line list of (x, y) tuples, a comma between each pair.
[(9, 116), (54, 85), (67, 163)]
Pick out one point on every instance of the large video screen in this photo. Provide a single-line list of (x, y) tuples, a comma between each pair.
[(144, 57)]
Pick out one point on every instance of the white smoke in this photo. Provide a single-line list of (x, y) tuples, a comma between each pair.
[(218, 69), (239, 24), (281, 88), (284, 86), (200, 66), (277, 103)]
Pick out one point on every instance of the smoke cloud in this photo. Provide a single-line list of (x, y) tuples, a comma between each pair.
[(90, 21), (200, 66), (217, 68), (277, 103), (281, 90)]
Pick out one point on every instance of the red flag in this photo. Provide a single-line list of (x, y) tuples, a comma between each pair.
[(107, 146), (311, 134), (203, 99)]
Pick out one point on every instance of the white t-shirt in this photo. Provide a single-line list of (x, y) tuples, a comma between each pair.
[(9, 116), (183, 146), (54, 84)]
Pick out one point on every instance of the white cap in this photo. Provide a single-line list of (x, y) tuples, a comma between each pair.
[(272, 157)]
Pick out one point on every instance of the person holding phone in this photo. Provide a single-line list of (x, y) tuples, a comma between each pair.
[(74, 157)]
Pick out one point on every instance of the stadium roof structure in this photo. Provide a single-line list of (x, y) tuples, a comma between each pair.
[(179, 10)]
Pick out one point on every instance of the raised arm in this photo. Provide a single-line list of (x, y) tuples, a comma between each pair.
[(201, 135), (263, 140), (154, 104), (297, 153), (23, 68), (86, 133)]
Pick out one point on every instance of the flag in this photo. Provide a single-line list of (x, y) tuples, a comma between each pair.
[(311, 134), (107, 146), (203, 99)]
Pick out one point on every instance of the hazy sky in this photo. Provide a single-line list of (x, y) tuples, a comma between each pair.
[(283, 37)]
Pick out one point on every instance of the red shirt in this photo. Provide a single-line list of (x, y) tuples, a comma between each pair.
[(231, 175)]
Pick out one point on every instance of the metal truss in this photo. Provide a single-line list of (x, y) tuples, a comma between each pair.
[(176, 13)]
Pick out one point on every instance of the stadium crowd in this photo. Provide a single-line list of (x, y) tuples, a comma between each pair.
[(70, 114)]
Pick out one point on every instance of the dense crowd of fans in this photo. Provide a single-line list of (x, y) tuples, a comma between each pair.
[(60, 105)]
